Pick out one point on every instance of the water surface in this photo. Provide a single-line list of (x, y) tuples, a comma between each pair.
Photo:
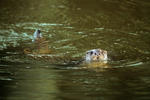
[(72, 27)]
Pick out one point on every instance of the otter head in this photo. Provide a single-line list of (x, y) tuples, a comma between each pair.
[(96, 55), (37, 35)]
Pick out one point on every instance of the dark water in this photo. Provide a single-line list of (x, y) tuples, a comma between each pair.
[(72, 27)]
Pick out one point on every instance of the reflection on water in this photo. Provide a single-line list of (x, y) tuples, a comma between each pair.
[(71, 28), (45, 82), (28, 82)]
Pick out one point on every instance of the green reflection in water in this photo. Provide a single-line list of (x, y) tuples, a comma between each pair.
[(71, 28), (31, 81)]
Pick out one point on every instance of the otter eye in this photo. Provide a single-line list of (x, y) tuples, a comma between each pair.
[(95, 53), (91, 52), (39, 31)]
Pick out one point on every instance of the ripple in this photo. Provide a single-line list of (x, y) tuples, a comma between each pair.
[(5, 79), (132, 33), (67, 47), (100, 28), (37, 24), (63, 40), (135, 64), (69, 27)]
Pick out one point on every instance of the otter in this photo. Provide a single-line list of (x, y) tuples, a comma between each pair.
[(40, 45), (37, 35), (94, 57)]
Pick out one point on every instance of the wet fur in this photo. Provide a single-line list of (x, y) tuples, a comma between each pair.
[(96, 55)]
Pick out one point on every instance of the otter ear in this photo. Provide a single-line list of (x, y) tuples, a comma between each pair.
[(105, 51), (100, 49)]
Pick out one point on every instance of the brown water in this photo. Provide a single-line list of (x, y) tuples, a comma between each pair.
[(72, 27)]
